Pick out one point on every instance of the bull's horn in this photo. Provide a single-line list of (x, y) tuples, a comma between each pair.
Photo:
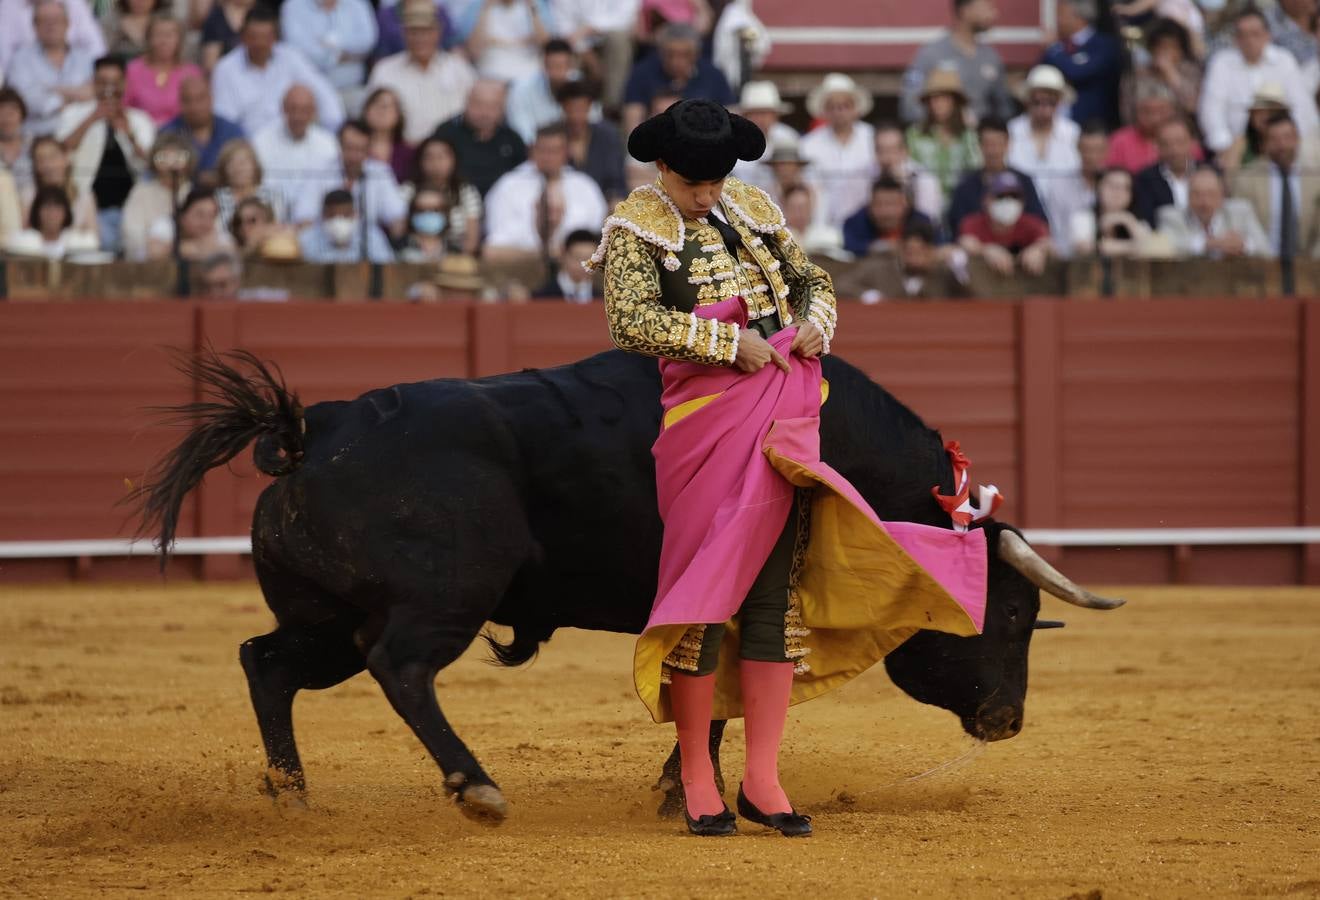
[(1041, 624), (1018, 554)]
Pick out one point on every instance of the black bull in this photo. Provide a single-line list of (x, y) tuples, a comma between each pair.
[(401, 522)]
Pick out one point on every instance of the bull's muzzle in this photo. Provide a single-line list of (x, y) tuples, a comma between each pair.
[(996, 724)]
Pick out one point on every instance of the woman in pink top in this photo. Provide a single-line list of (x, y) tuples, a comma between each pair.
[(151, 81)]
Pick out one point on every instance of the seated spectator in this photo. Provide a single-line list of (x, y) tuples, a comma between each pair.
[(677, 67), (125, 27), (1246, 148), (655, 15), (152, 81), (251, 223), (1236, 73), (299, 156), (486, 146), (17, 27), (892, 160), (1212, 226), (601, 33), (251, 81), (1283, 191), (798, 202), (530, 210), (49, 73), (200, 235), (15, 142), (759, 102), (1173, 64), (992, 140), (1109, 228), (340, 237), (962, 50), (51, 168), (841, 152), (1003, 234), (532, 100), (877, 227), (1076, 194), (239, 178), (506, 37), (436, 170), (1166, 182), (335, 36), (941, 141), (11, 218), (109, 145), (1134, 147), (50, 232), (219, 277), (916, 271), (594, 148), (221, 29), (383, 116), (170, 170), (1090, 60), (432, 84), (424, 240), (379, 202), (197, 121), (1042, 141), (789, 170), (570, 280), (1293, 27), (389, 28)]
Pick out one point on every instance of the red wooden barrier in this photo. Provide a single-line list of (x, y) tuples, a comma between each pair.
[(1122, 414)]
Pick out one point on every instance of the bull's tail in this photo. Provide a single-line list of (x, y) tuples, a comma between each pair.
[(239, 398)]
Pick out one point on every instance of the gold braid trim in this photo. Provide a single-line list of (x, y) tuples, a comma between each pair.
[(794, 628), (687, 655)]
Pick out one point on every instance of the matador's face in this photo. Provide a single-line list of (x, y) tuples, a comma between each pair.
[(694, 199)]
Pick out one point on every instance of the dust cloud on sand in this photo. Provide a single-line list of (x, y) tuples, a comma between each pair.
[(1171, 749)]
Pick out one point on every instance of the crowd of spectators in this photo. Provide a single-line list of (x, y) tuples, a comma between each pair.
[(432, 130)]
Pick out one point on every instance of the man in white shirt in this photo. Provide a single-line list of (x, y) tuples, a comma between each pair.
[(760, 103), (892, 159), (16, 29), (334, 35), (300, 158), (601, 32), (375, 192), (1042, 142), (840, 153), (432, 84), (1236, 73), (250, 81), (49, 72), (531, 209), (1165, 183)]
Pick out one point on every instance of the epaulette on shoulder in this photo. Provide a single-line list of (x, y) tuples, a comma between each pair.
[(650, 215), (753, 206)]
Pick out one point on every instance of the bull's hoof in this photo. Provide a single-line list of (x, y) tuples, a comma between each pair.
[(672, 806), (286, 791), (483, 803)]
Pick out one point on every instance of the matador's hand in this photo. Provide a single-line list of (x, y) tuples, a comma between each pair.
[(809, 342), (755, 351)]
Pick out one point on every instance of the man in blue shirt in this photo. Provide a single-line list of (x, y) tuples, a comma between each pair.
[(1090, 60), (676, 67), (879, 226), (341, 237), (198, 122)]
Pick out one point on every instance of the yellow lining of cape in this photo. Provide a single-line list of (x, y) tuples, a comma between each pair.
[(688, 407)]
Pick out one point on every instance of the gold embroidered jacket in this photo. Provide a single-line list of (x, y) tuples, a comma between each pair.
[(660, 266)]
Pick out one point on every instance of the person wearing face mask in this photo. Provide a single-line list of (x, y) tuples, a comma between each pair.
[(338, 236), (1003, 234), (701, 272), (428, 223)]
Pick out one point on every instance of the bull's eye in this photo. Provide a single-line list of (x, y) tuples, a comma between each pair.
[(1012, 613)]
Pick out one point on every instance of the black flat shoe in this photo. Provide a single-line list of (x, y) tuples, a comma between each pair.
[(719, 825), (789, 824)]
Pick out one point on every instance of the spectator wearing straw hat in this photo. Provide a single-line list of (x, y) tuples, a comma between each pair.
[(942, 141), (841, 152), (1236, 73), (979, 68), (760, 102), (1247, 147), (1090, 60), (432, 84), (1042, 142)]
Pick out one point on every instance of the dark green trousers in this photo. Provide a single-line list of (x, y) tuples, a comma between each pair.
[(761, 616)]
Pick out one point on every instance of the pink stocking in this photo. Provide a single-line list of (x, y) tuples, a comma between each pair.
[(692, 697), (766, 687)]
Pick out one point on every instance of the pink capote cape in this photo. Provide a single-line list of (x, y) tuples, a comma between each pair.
[(733, 448)]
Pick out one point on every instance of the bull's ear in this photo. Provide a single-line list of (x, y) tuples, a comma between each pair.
[(1047, 623)]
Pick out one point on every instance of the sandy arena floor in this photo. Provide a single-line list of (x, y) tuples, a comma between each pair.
[(1172, 749)]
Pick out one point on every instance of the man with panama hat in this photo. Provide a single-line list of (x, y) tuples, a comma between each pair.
[(1042, 142), (842, 150), (760, 103)]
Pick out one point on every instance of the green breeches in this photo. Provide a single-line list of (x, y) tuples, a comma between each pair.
[(761, 616)]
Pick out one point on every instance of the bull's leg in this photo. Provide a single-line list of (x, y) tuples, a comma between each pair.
[(280, 664), (415, 645), (671, 780)]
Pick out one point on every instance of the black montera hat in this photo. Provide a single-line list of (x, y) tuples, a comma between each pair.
[(698, 139)]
